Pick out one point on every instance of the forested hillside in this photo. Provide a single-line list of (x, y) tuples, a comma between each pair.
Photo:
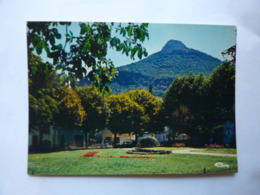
[(160, 68)]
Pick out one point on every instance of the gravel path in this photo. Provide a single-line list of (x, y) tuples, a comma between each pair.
[(193, 151)]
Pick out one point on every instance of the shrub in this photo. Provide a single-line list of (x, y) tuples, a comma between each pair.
[(148, 142)]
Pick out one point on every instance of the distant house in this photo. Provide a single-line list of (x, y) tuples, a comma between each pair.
[(182, 137), (108, 136), (146, 134), (229, 133), (162, 137), (56, 139), (224, 135), (65, 139)]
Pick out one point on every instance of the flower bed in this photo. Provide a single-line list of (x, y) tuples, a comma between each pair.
[(179, 145), (213, 146), (94, 154), (89, 154)]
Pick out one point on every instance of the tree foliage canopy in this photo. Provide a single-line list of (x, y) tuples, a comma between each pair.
[(184, 102), (151, 106), (71, 113), (126, 115), (222, 93), (42, 105), (192, 104), (96, 107), (200, 105), (230, 53), (86, 53)]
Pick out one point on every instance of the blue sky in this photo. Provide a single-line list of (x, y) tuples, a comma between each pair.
[(211, 39)]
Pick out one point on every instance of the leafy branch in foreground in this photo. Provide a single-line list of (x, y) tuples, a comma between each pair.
[(86, 53), (230, 52)]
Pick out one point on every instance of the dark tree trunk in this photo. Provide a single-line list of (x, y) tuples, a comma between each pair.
[(136, 137), (86, 139), (44, 146), (40, 146), (150, 89), (40, 136), (115, 140)]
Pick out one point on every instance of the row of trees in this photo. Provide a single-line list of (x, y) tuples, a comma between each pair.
[(200, 105), (53, 98), (193, 104), (51, 102)]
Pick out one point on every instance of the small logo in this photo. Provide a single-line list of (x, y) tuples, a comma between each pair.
[(221, 165)]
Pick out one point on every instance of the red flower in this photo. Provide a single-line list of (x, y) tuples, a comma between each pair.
[(125, 156), (89, 154), (93, 154)]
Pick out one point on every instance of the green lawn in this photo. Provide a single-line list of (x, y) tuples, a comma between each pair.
[(70, 163), (217, 150)]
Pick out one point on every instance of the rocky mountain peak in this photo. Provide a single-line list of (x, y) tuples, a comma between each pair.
[(172, 45)]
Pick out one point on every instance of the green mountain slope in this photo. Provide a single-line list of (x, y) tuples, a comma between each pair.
[(159, 69)]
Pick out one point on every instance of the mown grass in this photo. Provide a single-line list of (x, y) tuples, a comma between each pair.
[(217, 150), (70, 163)]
